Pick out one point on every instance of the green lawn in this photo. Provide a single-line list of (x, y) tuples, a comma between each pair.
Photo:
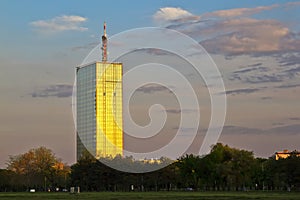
[(155, 195)]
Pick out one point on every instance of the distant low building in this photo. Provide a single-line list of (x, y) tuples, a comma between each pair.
[(286, 153), (151, 161)]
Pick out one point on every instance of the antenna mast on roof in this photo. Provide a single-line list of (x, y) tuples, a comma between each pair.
[(104, 44)]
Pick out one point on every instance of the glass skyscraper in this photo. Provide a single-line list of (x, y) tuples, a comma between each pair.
[(99, 109)]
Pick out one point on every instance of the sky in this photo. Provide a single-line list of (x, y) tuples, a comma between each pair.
[(255, 45)]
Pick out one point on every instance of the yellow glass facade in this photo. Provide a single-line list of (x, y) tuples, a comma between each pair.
[(99, 109), (109, 121)]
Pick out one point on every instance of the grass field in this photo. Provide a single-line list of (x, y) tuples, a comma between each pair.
[(155, 195)]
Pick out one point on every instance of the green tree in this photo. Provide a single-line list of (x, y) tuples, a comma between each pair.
[(229, 168), (284, 174), (82, 172), (191, 170), (5, 180)]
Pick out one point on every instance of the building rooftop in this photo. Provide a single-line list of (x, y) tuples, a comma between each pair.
[(286, 153)]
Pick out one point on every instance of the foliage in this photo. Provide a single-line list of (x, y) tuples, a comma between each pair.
[(223, 169), (38, 168), (91, 175)]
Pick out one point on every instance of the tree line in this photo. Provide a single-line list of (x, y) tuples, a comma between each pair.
[(223, 169)]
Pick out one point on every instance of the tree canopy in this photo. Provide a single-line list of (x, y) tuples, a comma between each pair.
[(224, 168)]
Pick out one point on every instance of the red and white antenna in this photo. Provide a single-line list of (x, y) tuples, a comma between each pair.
[(104, 44)]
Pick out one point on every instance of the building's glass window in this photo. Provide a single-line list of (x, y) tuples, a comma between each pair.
[(99, 108)]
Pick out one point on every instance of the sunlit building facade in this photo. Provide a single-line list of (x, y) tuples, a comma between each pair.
[(99, 109), (285, 154)]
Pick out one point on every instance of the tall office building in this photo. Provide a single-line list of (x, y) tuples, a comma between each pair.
[(99, 107)]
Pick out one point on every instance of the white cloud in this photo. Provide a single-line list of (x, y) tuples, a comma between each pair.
[(170, 13), (60, 23)]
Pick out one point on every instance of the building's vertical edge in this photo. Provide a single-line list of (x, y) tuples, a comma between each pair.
[(96, 110), (76, 131), (122, 111), (79, 144)]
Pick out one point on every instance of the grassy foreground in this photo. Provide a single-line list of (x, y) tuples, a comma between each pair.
[(155, 195)]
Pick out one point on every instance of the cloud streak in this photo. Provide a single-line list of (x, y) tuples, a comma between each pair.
[(88, 46), (59, 90), (266, 98), (151, 88), (154, 51), (242, 91), (237, 12), (294, 118), (295, 70), (260, 74), (60, 24), (293, 129), (265, 78), (179, 111), (288, 86), (250, 69)]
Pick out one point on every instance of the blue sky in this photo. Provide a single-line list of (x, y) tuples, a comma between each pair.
[(254, 43)]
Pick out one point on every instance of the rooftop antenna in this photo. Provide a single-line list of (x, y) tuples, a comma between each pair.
[(104, 44)]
